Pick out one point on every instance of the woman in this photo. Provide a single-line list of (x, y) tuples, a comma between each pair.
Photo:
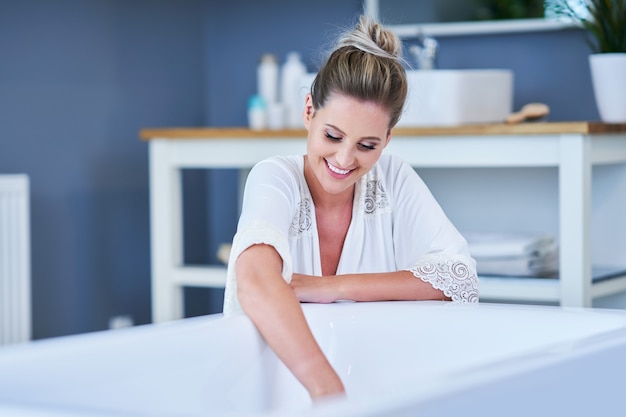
[(342, 222)]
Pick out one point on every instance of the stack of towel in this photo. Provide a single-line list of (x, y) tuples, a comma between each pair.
[(514, 254)]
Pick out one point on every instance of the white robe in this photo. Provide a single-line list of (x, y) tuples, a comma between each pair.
[(396, 225)]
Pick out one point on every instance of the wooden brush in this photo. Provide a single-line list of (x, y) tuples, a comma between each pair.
[(529, 112)]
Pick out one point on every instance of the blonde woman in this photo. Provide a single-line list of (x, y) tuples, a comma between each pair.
[(344, 221)]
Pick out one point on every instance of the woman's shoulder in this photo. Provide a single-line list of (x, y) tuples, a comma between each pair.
[(292, 165), (280, 171), (390, 166), (397, 176)]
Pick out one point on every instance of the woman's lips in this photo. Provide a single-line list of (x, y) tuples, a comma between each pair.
[(337, 172)]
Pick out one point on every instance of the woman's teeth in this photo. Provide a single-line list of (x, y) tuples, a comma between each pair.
[(337, 170)]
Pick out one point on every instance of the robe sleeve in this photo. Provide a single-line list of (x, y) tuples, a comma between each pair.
[(266, 216), (425, 240)]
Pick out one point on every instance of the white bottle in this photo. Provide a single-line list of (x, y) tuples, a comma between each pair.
[(267, 78), (292, 73), (257, 113)]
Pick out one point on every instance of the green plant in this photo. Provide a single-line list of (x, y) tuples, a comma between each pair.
[(604, 20), (508, 9)]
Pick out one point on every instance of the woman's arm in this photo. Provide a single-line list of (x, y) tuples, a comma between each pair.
[(274, 309), (389, 286)]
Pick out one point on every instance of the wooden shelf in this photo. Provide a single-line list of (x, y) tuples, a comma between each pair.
[(479, 129)]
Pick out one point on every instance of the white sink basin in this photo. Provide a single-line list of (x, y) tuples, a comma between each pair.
[(456, 97)]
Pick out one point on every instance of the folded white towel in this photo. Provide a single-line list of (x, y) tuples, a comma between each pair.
[(522, 266), (493, 245)]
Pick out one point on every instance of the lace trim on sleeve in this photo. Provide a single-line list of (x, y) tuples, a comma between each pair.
[(453, 275)]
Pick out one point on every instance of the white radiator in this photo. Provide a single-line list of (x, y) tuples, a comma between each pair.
[(15, 301)]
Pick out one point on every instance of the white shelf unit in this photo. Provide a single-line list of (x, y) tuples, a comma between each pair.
[(568, 147)]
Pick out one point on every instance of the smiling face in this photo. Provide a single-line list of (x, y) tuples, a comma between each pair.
[(346, 138)]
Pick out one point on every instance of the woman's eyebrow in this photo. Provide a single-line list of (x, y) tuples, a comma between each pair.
[(375, 138)]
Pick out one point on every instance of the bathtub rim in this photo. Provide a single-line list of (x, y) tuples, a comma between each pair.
[(341, 407)]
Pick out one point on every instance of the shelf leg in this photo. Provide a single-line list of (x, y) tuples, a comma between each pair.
[(166, 233), (575, 219)]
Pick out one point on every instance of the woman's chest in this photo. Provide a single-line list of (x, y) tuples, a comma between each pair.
[(332, 228)]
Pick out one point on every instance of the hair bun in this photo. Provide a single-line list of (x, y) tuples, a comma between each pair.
[(372, 38), (383, 38)]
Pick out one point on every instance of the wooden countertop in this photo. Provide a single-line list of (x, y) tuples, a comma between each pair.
[(537, 128)]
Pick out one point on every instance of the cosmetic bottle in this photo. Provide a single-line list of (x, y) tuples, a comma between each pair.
[(257, 113), (267, 78), (292, 73)]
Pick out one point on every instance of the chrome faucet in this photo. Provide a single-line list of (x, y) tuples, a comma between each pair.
[(426, 54)]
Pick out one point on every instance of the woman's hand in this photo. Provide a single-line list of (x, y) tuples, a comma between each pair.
[(312, 289)]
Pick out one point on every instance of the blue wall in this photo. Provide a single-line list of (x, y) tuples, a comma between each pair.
[(79, 79)]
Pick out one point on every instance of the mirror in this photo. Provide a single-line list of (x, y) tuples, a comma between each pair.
[(412, 18)]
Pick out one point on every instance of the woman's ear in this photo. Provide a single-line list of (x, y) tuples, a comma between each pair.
[(388, 138), (309, 111)]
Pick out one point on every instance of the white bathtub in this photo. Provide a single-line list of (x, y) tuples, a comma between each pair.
[(395, 358)]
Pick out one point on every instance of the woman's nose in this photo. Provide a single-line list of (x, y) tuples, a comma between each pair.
[(345, 157)]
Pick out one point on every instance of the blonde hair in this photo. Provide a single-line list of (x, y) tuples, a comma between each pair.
[(365, 64)]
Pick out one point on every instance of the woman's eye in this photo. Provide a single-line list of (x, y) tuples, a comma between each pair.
[(367, 147), (333, 138)]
